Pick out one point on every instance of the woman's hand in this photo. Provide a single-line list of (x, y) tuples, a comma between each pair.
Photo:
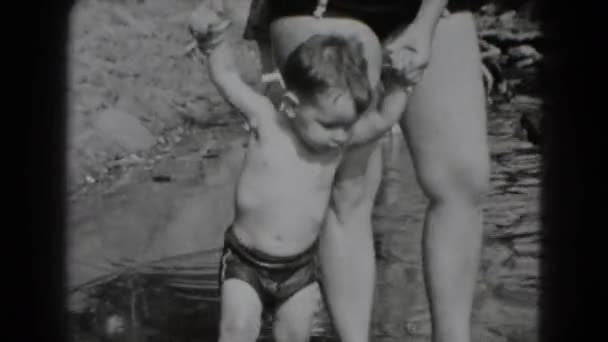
[(409, 53), (207, 26)]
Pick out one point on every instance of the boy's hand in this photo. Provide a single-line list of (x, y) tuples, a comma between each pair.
[(207, 27), (393, 78), (376, 122)]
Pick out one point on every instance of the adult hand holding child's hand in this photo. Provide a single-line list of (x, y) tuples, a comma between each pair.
[(206, 25), (409, 53)]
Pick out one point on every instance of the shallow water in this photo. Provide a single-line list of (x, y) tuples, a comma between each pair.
[(175, 297), (178, 200)]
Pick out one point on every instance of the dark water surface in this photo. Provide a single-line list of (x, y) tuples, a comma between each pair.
[(175, 298)]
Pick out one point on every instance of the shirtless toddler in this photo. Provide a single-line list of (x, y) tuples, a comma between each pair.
[(283, 192)]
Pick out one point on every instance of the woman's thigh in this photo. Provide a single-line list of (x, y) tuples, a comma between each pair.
[(445, 122)]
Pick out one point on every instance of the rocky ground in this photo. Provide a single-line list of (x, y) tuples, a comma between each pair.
[(152, 154)]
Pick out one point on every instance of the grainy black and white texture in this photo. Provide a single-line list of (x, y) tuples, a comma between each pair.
[(152, 153)]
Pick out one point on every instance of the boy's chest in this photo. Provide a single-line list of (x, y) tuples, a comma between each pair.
[(280, 160)]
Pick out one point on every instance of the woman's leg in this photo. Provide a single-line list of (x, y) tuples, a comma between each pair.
[(347, 250), (446, 130)]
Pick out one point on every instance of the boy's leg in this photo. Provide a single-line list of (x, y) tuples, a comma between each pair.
[(445, 126), (295, 316), (241, 312)]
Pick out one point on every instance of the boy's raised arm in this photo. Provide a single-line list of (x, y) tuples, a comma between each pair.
[(210, 35), (226, 77)]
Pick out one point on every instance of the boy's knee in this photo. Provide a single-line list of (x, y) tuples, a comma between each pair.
[(236, 329)]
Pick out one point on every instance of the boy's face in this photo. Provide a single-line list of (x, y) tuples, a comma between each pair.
[(324, 121)]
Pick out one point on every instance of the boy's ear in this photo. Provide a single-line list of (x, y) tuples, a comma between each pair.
[(289, 101)]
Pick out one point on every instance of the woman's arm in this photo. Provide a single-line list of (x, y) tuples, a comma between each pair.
[(428, 15), (409, 50)]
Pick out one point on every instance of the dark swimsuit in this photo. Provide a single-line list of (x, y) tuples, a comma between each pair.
[(275, 279), (382, 16)]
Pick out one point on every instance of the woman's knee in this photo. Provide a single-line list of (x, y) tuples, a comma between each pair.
[(239, 328), (457, 180)]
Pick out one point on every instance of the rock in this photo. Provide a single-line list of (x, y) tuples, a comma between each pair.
[(522, 52), (525, 102), (518, 291), (529, 182), (523, 226), (531, 126), (527, 247), (495, 253), (123, 128), (495, 313), (115, 324), (508, 19), (501, 219), (528, 157), (504, 38), (488, 9), (519, 274), (525, 63), (489, 50)]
